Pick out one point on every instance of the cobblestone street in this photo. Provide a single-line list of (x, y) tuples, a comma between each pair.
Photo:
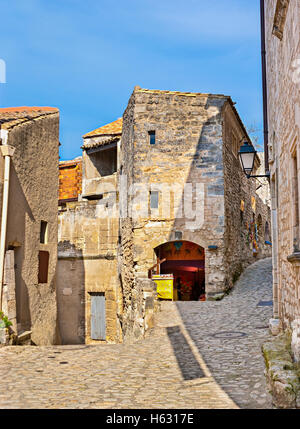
[(229, 334), (200, 355)]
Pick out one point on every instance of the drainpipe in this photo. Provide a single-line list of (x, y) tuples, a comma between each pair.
[(7, 152), (266, 149), (264, 83)]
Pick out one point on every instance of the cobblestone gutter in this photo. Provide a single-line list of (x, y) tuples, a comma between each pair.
[(283, 374)]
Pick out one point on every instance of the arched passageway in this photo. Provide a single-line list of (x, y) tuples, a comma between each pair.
[(183, 264)]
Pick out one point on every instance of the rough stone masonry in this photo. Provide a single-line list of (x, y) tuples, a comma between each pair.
[(197, 138), (183, 147)]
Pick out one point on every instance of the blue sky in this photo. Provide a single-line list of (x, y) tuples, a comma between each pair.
[(85, 56)]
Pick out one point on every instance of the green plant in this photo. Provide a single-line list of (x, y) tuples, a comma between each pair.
[(5, 320)]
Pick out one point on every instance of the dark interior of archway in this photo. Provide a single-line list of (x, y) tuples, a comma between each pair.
[(186, 261)]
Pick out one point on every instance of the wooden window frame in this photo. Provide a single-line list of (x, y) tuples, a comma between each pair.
[(43, 272), (280, 18)]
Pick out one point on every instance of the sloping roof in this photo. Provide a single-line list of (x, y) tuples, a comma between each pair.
[(11, 116), (187, 94), (28, 109), (103, 142), (114, 128), (71, 162)]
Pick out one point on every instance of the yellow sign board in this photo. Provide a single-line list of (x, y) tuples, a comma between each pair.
[(164, 286)]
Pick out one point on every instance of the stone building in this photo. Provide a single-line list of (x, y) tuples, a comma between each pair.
[(282, 28), (28, 196), (179, 149), (88, 244), (162, 193)]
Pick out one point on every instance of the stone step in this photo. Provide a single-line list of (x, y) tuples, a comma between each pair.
[(24, 338)]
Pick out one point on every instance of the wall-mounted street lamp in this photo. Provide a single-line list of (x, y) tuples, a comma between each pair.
[(247, 155)]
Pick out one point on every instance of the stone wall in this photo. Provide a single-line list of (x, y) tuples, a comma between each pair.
[(283, 56), (188, 150), (240, 192), (131, 292), (180, 156), (87, 263)]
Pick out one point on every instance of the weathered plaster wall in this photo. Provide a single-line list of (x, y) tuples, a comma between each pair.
[(284, 120), (33, 197)]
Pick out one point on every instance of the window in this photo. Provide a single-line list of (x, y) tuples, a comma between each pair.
[(280, 18), (43, 266), (44, 232), (178, 235), (154, 196), (151, 137)]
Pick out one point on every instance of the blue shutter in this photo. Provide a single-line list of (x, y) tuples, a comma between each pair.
[(98, 331)]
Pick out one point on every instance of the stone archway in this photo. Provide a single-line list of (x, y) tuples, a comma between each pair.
[(184, 260)]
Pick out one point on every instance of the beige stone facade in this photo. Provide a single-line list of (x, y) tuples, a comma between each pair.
[(112, 239), (283, 65), (197, 140), (29, 287), (87, 263)]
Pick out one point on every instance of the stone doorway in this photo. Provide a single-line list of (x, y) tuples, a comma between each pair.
[(186, 262)]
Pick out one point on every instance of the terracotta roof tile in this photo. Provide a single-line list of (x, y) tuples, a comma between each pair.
[(114, 128), (70, 179), (27, 109), (89, 144)]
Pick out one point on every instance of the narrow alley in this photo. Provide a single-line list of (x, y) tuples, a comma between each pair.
[(199, 355)]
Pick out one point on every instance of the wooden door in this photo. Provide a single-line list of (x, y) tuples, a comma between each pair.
[(98, 328)]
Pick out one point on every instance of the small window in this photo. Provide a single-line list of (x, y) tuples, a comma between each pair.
[(151, 137), (44, 232), (43, 266), (178, 235), (280, 18), (154, 199)]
